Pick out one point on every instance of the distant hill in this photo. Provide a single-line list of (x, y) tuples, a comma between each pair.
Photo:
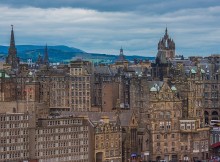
[(22, 48), (61, 53)]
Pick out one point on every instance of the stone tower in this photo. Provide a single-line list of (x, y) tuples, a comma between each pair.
[(121, 55), (46, 58), (166, 48), (12, 58)]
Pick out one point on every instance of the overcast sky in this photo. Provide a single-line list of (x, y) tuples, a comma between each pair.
[(103, 26)]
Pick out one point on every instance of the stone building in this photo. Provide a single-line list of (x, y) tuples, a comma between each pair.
[(177, 115), (7, 87), (210, 68), (80, 92), (108, 140), (58, 89), (14, 137), (105, 88), (24, 137), (215, 141), (63, 139), (165, 109)]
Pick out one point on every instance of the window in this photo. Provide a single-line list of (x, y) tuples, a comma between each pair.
[(158, 136), (167, 115), (165, 136), (188, 126), (182, 147), (161, 125), (168, 125)]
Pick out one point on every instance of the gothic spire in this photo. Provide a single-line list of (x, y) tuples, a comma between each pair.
[(12, 58), (166, 33), (46, 58), (12, 41)]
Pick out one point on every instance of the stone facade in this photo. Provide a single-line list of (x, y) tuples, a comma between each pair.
[(23, 137), (80, 72), (108, 141)]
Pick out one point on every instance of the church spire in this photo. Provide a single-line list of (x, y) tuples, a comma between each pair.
[(12, 41), (46, 58), (166, 33), (12, 58)]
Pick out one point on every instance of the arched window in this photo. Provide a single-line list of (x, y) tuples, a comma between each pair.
[(214, 113), (206, 113)]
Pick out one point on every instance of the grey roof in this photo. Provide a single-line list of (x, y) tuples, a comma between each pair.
[(125, 116), (185, 62), (105, 70), (93, 116)]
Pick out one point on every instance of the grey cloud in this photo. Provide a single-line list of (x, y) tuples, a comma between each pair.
[(194, 30), (146, 6)]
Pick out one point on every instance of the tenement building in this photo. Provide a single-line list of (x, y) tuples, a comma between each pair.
[(62, 139), (23, 137), (80, 76), (14, 137), (108, 140), (165, 112)]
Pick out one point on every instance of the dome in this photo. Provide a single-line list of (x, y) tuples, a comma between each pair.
[(3, 74), (173, 88), (193, 71), (153, 89), (202, 71), (30, 73)]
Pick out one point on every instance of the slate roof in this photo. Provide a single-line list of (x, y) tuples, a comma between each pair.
[(125, 116)]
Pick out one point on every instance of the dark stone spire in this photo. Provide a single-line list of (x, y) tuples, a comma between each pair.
[(12, 41), (166, 33), (12, 58), (166, 48), (46, 58), (121, 55), (166, 43)]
